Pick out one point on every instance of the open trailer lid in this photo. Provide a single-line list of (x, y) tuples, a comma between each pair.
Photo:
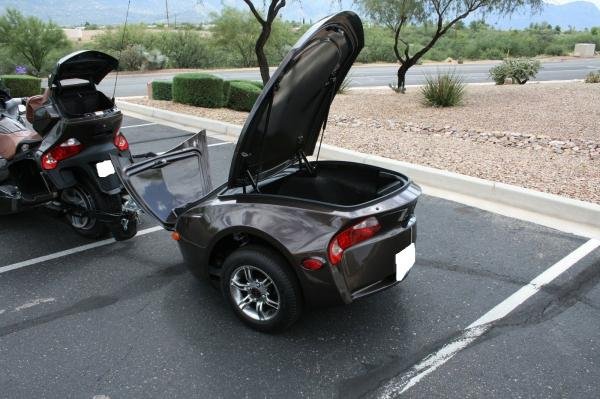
[(286, 120), (85, 64)]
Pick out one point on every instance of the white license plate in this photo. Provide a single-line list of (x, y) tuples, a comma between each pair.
[(105, 168), (405, 261)]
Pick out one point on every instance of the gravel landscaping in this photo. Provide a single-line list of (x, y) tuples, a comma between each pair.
[(541, 136)]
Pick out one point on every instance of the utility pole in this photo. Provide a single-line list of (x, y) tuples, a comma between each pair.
[(167, 8)]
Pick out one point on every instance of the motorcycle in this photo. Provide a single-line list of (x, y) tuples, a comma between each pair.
[(64, 162)]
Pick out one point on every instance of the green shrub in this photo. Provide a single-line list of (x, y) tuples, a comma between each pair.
[(243, 95), (256, 83), (593, 77), (226, 92), (445, 90), (520, 70), (22, 85), (523, 69), (499, 73), (131, 58), (162, 90), (199, 89)]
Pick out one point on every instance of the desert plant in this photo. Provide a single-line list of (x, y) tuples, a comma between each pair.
[(153, 60), (162, 90), (243, 95), (132, 58), (21, 85), (444, 90), (343, 89), (499, 73), (593, 77), (519, 70), (199, 89), (523, 69)]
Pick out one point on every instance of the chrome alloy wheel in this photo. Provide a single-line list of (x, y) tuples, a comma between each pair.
[(254, 292)]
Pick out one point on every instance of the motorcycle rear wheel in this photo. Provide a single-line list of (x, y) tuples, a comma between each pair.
[(89, 198)]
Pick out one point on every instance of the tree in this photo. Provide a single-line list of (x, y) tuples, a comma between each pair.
[(235, 30), (234, 33), (266, 27), (441, 14), (30, 38)]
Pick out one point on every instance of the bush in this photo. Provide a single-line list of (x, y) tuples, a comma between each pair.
[(162, 90), (523, 69), (199, 89), (499, 73), (22, 85), (226, 92), (593, 77), (446, 90), (256, 83), (131, 58), (520, 70), (243, 96), (153, 60)]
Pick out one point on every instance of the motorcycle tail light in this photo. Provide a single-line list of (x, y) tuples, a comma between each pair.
[(60, 152), (350, 237), (121, 142)]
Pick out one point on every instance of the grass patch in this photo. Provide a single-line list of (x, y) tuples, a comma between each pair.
[(444, 90)]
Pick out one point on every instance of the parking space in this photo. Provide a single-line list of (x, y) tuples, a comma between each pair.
[(127, 320)]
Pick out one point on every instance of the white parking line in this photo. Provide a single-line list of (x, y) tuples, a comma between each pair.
[(218, 144), (70, 251), (140, 125), (33, 303), (403, 382)]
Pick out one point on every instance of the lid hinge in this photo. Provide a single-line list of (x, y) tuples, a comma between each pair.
[(253, 182), (304, 160)]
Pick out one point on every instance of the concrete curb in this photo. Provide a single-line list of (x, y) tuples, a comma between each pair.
[(550, 210)]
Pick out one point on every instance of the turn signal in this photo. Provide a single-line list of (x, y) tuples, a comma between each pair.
[(350, 237), (121, 142), (56, 154), (175, 236)]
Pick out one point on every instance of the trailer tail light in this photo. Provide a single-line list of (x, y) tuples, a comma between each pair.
[(121, 142), (62, 151), (350, 237)]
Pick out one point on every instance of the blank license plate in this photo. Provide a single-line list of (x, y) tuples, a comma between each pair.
[(405, 261), (105, 168)]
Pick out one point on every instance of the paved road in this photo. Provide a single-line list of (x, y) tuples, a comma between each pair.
[(127, 320), (363, 76)]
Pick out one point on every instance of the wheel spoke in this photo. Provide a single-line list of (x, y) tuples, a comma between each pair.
[(259, 310), (247, 300), (240, 286), (272, 303), (248, 274), (267, 282)]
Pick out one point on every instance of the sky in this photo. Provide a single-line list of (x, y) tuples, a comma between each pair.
[(596, 2)]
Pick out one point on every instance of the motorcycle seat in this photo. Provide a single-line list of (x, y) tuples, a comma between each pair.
[(13, 136), (35, 102)]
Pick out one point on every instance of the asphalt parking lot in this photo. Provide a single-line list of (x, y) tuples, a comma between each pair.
[(126, 320)]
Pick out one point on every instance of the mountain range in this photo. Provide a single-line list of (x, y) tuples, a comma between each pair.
[(577, 14)]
